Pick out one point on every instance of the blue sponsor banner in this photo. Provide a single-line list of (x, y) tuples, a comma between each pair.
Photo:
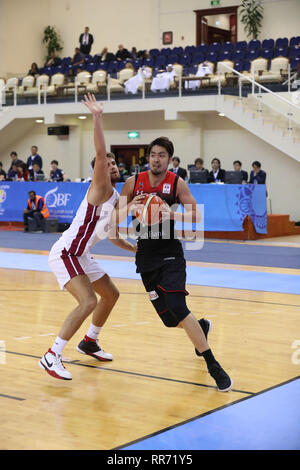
[(225, 205)]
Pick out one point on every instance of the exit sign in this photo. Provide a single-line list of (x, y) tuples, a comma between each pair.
[(133, 135), (215, 2)]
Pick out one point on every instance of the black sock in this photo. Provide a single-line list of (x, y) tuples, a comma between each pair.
[(209, 357)]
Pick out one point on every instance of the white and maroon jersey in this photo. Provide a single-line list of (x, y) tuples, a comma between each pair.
[(90, 225)]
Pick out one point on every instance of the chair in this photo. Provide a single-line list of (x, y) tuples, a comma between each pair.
[(154, 52), (227, 46), (279, 66), (281, 51), (149, 62), (165, 51), (57, 80), (224, 72), (113, 67), (259, 66), (160, 61), (83, 79), (239, 65), (185, 59), (198, 58), (202, 48), (11, 84), (178, 51), (254, 44), (239, 54), (91, 67), (294, 63), (267, 53), (189, 50), (125, 74), (252, 54), (212, 56), (173, 58), (281, 42), (267, 44), (295, 41), (137, 63), (98, 83), (27, 83), (294, 52), (214, 47), (241, 45), (225, 55)]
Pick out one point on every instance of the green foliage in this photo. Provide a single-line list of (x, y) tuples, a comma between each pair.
[(52, 40), (252, 16)]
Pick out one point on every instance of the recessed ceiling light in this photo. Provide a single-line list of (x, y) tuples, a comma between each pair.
[(221, 114), (81, 117), (39, 120)]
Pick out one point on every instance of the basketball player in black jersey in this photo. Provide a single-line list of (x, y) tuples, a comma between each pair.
[(160, 259)]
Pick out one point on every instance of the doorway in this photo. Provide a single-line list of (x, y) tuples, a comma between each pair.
[(131, 155), (216, 25)]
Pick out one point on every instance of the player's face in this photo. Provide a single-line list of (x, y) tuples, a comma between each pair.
[(113, 169), (159, 160)]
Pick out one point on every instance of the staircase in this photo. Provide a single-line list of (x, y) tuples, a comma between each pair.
[(263, 121)]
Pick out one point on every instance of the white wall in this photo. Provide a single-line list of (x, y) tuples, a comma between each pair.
[(134, 23)]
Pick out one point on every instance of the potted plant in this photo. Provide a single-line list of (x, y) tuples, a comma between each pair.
[(52, 40), (252, 16)]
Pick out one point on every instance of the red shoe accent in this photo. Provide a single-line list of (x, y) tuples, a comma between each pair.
[(52, 373), (52, 352), (87, 338)]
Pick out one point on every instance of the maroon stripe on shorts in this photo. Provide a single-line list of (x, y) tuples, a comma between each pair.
[(72, 264), (82, 229)]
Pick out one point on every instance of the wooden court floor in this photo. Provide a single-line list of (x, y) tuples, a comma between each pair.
[(155, 380)]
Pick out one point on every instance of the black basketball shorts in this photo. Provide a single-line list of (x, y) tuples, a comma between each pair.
[(166, 288)]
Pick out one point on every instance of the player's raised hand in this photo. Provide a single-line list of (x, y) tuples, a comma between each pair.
[(90, 102)]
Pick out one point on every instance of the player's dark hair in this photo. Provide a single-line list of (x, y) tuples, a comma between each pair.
[(54, 161), (32, 192), (237, 161), (216, 160), (13, 153), (176, 158), (256, 163), (199, 160), (109, 155), (162, 142)]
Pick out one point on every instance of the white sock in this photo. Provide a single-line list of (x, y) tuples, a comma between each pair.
[(58, 345), (94, 331)]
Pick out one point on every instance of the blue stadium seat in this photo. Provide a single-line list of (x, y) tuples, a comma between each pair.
[(294, 63), (226, 55), (165, 51), (214, 47), (160, 61), (267, 53), (294, 52), (295, 41), (212, 56), (178, 51), (253, 54), (239, 65), (113, 67), (268, 44), (227, 46), (281, 51), (247, 65), (149, 62), (241, 45), (66, 61), (185, 59), (154, 52), (282, 43), (203, 48), (102, 65), (239, 54), (198, 58), (189, 49), (254, 44), (137, 63), (173, 59), (91, 67), (49, 71)]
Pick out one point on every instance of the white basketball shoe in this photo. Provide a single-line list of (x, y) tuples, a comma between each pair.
[(52, 364)]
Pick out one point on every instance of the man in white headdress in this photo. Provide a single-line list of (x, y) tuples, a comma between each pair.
[(204, 69), (162, 81), (132, 85)]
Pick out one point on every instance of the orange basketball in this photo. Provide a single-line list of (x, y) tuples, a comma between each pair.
[(151, 212)]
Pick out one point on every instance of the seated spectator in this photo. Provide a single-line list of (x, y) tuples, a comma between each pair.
[(217, 175), (133, 53), (199, 165), (53, 60), (34, 158), (142, 54), (163, 81), (37, 210), (237, 166), (36, 174), (204, 69), (70, 77), (123, 172), (257, 175), (177, 169), (78, 57), (132, 85), (56, 174), (12, 174), (106, 56), (34, 70), (14, 161), (122, 53), (23, 173), (2, 173)]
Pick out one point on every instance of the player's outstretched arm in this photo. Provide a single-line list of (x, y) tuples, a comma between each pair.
[(101, 188)]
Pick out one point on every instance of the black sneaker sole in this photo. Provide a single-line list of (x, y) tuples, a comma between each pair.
[(101, 359), (205, 333)]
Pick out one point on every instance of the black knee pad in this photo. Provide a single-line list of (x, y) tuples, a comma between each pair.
[(158, 302), (176, 303)]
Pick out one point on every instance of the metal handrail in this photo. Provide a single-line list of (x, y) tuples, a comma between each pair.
[(253, 82)]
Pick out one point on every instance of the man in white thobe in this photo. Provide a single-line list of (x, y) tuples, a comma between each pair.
[(203, 69), (132, 85), (162, 81)]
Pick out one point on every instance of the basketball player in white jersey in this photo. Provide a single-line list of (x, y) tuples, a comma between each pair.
[(73, 265)]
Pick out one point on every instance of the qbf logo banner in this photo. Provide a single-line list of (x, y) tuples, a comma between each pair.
[(62, 199)]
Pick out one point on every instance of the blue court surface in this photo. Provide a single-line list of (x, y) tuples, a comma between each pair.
[(215, 277), (267, 421)]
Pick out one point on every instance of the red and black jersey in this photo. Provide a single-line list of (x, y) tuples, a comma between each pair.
[(156, 242)]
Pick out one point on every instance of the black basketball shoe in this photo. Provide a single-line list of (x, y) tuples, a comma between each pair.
[(206, 326), (91, 347), (223, 381)]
